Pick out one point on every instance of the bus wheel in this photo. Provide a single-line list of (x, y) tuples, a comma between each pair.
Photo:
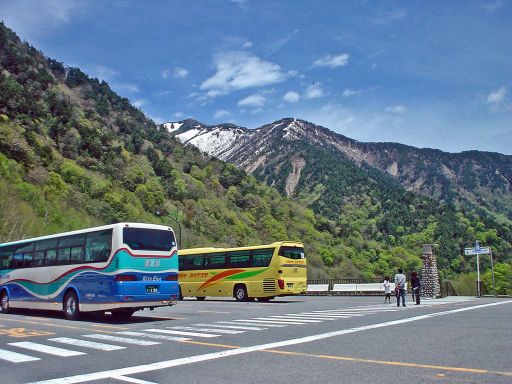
[(200, 298), (4, 302), (264, 299), (71, 310), (122, 314), (241, 293)]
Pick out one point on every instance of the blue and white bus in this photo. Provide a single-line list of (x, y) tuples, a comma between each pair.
[(119, 268)]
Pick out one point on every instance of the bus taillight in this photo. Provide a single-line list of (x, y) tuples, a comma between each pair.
[(280, 282), (125, 278)]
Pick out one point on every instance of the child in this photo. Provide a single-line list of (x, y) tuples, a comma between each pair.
[(387, 290)]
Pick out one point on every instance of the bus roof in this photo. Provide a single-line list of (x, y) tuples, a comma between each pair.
[(86, 230), (193, 251)]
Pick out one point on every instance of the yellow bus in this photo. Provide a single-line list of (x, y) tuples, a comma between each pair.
[(257, 272)]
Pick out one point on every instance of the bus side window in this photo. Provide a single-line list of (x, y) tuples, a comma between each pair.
[(5, 257), (262, 257), (20, 260), (45, 252), (38, 259), (98, 246), (237, 259), (51, 257), (27, 260)]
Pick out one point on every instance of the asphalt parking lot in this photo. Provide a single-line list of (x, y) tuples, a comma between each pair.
[(304, 339)]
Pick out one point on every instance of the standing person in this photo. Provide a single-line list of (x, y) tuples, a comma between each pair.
[(416, 285), (387, 290), (400, 286)]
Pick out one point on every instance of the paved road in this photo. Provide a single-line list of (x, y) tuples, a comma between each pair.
[(299, 340)]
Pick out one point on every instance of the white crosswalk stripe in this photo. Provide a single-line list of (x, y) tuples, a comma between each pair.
[(271, 321), (240, 322), (183, 333), (121, 339), (87, 344), (293, 318), (198, 329), (151, 336), (43, 348), (282, 319), (15, 357), (246, 328)]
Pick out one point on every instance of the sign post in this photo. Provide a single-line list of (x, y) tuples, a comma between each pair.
[(478, 250)]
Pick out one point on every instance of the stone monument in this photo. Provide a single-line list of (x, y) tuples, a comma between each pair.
[(429, 273)]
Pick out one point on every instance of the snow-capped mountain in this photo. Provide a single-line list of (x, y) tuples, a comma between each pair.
[(302, 159)]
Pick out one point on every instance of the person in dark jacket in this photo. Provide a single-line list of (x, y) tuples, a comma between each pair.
[(416, 285)]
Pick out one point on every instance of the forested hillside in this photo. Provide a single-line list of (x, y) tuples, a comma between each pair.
[(75, 154)]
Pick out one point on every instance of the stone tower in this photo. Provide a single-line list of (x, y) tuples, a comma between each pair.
[(429, 274)]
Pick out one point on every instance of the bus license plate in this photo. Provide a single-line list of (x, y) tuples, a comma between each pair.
[(151, 288)]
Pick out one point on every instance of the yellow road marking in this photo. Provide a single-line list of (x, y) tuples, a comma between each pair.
[(369, 361)]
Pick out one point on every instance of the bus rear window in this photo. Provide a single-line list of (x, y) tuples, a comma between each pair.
[(142, 239), (292, 252)]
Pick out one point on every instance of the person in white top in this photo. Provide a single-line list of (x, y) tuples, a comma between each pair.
[(400, 287), (387, 290)]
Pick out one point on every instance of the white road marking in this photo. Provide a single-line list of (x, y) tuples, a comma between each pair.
[(293, 318), (183, 333), (15, 357), (87, 344), (121, 339), (271, 321), (239, 322), (151, 336), (198, 329), (47, 349), (239, 351), (246, 328), (132, 380), (282, 319)]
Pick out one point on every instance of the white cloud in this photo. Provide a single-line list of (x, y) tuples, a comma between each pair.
[(386, 18), (255, 100), (219, 113), (396, 109), (332, 61), (497, 96), (31, 18), (179, 115), (351, 92), (238, 70), (139, 103), (291, 97), (166, 73), (102, 72), (314, 91), (180, 72), (129, 87), (247, 45)]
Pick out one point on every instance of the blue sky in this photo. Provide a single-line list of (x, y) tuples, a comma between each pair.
[(432, 74)]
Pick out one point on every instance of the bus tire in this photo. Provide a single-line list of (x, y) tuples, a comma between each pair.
[(200, 298), (122, 314), (71, 306), (240, 293), (4, 302), (180, 294)]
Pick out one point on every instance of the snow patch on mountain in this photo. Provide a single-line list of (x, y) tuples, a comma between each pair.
[(171, 126)]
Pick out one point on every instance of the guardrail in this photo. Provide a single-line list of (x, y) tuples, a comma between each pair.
[(358, 287)]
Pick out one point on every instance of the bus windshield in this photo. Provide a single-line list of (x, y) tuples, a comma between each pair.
[(292, 252), (143, 239)]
